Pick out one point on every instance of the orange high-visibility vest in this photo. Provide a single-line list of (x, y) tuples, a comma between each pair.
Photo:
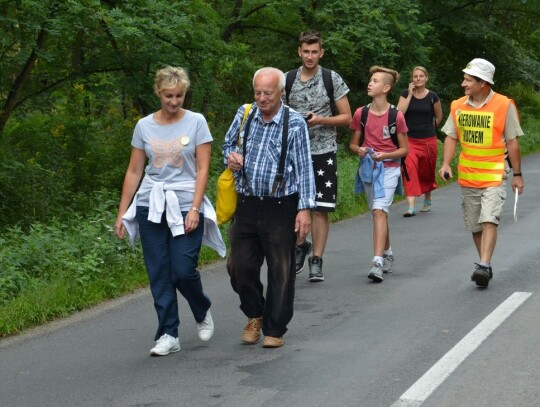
[(480, 132)]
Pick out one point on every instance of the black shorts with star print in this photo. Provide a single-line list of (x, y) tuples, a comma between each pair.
[(325, 170)]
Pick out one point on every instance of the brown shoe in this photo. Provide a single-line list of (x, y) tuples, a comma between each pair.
[(252, 331), (273, 342)]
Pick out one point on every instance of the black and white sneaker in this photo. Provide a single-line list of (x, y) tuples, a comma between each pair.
[(301, 253), (315, 269)]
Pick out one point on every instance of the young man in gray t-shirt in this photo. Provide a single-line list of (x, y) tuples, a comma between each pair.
[(309, 96)]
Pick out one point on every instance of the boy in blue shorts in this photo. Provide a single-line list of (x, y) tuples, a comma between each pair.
[(380, 146)]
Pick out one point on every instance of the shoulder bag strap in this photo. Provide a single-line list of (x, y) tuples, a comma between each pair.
[(280, 178), (247, 109), (244, 149)]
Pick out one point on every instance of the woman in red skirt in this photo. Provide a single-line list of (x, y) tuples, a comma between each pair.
[(423, 113)]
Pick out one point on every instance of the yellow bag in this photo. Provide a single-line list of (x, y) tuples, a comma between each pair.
[(226, 196)]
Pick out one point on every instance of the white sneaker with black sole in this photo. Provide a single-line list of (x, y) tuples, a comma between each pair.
[(376, 273)]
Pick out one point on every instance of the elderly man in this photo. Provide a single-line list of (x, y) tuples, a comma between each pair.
[(276, 191), (487, 126)]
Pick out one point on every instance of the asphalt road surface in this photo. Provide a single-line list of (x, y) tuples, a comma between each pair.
[(425, 336)]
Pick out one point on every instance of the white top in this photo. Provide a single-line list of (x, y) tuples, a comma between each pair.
[(162, 195)]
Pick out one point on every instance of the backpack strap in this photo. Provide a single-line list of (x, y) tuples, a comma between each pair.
[(329, 86), (280, 178), (363, 121), (289, 80), (392, 128), (327, 81), (392, 125)]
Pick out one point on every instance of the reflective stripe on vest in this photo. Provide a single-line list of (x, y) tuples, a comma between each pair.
[(480, 132)]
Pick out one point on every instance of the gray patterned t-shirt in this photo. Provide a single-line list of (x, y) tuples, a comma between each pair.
[(311, 96)]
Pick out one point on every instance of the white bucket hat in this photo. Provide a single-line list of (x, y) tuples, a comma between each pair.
[(481, 69)]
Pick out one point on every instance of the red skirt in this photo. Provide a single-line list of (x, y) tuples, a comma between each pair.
[(420, 162)]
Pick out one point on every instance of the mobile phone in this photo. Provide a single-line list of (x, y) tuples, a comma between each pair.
[(446, 175), (308, 117)]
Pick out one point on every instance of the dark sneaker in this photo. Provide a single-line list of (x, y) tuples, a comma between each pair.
[(376, 273), (482, 275), (388, 262), (301, 253), (315, 269)]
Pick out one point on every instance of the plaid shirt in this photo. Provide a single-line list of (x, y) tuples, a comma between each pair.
[(263, 154)]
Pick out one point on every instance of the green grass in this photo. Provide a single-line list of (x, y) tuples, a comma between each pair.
[(57, 269)]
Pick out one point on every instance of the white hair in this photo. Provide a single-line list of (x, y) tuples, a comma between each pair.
[(267, 70)]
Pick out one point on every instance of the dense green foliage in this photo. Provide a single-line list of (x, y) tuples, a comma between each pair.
[(77, 74)]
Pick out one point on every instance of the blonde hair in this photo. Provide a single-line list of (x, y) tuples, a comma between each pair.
[(171, 77), (393, 74), (419, 68)]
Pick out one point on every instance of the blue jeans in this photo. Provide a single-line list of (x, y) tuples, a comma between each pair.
[(171, 263), (263, 229)]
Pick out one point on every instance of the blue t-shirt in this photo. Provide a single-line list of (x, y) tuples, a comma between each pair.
[(170, 149)]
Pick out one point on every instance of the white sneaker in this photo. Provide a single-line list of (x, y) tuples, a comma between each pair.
[(376, 273), (165, 345), (206, 327), (388, 262)]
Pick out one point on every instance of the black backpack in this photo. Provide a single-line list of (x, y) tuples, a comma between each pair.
[(392, 128), (328, 84)]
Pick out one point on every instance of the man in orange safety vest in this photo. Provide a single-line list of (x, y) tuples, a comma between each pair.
[(486, 124)]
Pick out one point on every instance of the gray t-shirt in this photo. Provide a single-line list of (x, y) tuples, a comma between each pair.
[(311, 96), (170, 149)]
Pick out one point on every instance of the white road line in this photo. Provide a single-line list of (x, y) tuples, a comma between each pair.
[(434, 377)]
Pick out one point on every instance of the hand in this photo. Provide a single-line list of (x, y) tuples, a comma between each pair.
[(362, 152), (119, 229), (517, 182), (235, 161), (375, 156), (191, 221), (412, 88), (302, 224), (445, 172), (311, 119)]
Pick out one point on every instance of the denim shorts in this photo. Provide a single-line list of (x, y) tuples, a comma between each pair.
[(391, 179)]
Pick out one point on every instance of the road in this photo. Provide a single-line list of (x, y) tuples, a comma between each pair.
[(351, 342)]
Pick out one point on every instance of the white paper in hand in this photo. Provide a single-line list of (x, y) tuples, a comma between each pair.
[(515, 205)]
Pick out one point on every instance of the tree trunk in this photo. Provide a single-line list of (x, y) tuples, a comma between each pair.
[(21, 80)]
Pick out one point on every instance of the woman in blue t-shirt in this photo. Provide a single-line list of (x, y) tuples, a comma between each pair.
[(423, 113), (169, 209)]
